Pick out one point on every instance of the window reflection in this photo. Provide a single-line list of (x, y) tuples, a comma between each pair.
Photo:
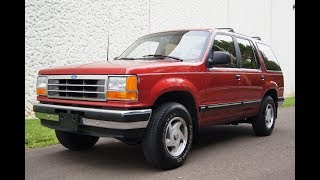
[(269, 59), (247, 54), (225, 43)]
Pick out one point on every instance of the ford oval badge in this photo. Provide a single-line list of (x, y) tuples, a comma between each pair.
[(74, 77)]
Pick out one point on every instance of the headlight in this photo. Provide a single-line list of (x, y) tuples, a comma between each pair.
[(122, 88), (42, 85), (117, 83)]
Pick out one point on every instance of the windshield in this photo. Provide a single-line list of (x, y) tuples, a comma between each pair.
[(178, 45)]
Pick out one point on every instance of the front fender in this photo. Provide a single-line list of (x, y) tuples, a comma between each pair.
[(173, 84)]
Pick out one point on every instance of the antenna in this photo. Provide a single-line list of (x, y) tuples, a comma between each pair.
[(108, 43)]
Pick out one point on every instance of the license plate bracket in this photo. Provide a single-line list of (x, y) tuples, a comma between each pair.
[(69, 121)]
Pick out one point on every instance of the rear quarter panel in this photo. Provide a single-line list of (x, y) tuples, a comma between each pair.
[(274, 80)]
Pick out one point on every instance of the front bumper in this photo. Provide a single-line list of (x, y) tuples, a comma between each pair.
[(93, 121)]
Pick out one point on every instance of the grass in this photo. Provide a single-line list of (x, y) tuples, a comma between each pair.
[(37, 135), (289, 101)]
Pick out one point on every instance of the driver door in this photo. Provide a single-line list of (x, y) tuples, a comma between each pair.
[(223, 82)]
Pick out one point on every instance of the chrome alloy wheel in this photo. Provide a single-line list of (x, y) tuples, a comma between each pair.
[(269, 116), (176, 136)]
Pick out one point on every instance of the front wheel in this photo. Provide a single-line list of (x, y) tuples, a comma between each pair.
[(263, 123), (168, 136), (74, 141)]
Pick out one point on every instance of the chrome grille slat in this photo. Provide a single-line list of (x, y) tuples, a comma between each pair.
[(76, 85), (77, 91), (74, 98), (84, 87)]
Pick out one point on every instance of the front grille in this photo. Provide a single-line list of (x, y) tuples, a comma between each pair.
[(81, 87)]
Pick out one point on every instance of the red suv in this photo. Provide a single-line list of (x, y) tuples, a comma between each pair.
[(161, 90)]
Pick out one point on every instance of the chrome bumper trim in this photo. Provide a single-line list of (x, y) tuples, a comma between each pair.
[(114, 125), (107, 111), (103, 118)]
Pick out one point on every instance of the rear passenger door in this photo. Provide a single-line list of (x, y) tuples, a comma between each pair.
[(252, 79)]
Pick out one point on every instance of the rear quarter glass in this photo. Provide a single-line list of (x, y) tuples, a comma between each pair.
[(270, 61)]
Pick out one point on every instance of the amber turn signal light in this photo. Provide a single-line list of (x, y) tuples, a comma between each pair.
[(122, 95), (41, 91), (131, 83)]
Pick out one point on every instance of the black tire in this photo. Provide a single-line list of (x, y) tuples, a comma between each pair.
[(154, 145), (259, 124), (74, 141), (130, 141)]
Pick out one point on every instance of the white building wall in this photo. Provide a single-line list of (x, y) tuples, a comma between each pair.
[(283, 40), (61, 32)]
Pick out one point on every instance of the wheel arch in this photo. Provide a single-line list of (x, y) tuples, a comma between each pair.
[(273, 93), (186, 99)]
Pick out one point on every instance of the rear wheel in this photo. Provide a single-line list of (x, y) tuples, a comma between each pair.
[(74, 141), (168, 136), (264, 122)]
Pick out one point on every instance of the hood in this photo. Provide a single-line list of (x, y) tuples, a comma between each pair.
[(114, 67)]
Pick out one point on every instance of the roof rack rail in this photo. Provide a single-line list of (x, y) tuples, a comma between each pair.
[(229, 29), (256, 37)]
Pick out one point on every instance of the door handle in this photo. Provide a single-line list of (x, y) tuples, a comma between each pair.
[(262, 77), (237, 76)]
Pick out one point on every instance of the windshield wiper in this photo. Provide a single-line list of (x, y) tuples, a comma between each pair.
[(127, 58), (162, 56)]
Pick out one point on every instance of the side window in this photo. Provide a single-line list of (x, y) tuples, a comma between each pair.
[(225, 43), (269, 59), (247, 54)]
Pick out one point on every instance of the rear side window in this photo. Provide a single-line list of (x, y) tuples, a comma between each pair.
[(269, 59), (225, 43), (247, 54)]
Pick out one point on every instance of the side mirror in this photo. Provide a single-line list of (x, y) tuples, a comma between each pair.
[(210, 63), (220, 57), (115, 58)]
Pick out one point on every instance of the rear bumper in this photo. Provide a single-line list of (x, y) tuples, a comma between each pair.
[(93, 120), (280, 101)]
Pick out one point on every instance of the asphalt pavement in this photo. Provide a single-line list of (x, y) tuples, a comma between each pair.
[(226, 152)]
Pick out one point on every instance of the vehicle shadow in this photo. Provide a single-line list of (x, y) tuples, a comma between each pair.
[(215, 135), (108, 154), (113, 155)]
